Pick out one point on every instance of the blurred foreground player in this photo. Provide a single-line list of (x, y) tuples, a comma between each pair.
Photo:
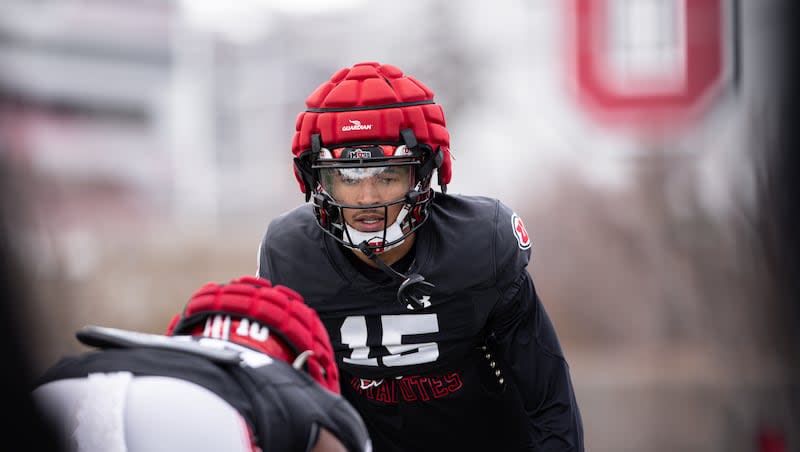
[(246, 366)]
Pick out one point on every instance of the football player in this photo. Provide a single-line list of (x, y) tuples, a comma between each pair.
[(440, 337), (245, 367)]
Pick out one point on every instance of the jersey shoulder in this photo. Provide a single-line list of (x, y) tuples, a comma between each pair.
[(295, 246), (298, 222), (286, 240), (478, 229), (264, 398), (465, 215), (458, 219)]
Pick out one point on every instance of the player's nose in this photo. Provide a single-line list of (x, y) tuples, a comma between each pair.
[(368, 193)]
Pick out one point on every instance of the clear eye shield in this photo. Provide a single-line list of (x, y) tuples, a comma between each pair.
[(385, 172)]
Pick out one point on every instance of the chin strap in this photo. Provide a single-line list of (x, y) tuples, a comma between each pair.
[(413, 291), (393, 233)]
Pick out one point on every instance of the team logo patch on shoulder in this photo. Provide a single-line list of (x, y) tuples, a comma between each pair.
[(523, 239)]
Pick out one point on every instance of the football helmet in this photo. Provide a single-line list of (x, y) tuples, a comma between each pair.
[(371, 126), (274, 320)]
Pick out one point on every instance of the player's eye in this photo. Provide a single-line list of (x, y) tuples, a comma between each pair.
[(388, 179)]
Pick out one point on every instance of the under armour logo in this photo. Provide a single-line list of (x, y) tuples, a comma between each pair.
[(425, 301)]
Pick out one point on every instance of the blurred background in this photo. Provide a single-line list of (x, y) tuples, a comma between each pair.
[(646, 143)]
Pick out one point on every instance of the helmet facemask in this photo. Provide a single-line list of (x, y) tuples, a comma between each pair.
[(373, 194)]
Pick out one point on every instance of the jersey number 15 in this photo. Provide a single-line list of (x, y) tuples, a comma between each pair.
[(354, 335)]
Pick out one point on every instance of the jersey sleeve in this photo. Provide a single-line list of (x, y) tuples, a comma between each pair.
[(530, 350), (528, 345)]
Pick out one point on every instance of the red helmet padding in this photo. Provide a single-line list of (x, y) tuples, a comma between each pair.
[(280, 309), (366, 85)]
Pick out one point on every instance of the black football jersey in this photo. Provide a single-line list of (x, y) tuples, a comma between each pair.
[(466, 372), (280, 404)]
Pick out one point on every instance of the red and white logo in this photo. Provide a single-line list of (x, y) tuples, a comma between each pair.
[(650, 63), (523, 239)]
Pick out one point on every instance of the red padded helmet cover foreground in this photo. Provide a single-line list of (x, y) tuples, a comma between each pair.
[(371, 103), (280, 309)]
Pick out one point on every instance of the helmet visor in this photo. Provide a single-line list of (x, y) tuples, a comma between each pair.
[(367, 186)]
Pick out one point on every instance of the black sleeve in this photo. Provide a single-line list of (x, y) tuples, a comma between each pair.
[(532, 356), (309, 406), (346, 424)]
